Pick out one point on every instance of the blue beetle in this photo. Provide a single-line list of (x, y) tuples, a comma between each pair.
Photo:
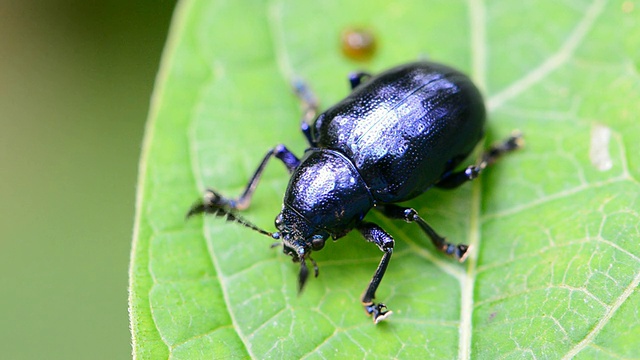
[(393, 137)]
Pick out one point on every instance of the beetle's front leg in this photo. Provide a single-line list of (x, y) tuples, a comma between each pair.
[(410, 215), (455, 179), (373, 233), (213, 201)]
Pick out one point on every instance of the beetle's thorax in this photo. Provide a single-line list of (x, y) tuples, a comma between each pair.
[(326, 197), (327, 190)]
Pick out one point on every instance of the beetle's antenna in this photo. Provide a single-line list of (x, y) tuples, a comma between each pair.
[(214, 204)]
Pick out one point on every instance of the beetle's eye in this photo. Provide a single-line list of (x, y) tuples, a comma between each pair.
[(278, 220), (317, 243)]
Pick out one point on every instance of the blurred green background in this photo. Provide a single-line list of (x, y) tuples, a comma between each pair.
[(75, 81)]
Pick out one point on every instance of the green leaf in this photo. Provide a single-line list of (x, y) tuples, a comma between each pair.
[(556, 262)]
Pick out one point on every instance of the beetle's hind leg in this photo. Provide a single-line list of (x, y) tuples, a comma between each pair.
[(213, 202), (410, 215), (454, 179)]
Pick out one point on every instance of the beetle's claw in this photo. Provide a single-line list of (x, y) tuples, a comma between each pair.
[(459, 251), (379, 312), (516, 141), (212, 203), (197, 208), (462, 251)]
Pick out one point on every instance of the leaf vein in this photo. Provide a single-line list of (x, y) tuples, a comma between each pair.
[(604, 320), (554, 61)]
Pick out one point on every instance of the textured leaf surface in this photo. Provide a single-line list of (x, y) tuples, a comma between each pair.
[(555, 227)]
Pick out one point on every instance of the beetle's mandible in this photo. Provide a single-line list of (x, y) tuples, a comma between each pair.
[(393, 137)]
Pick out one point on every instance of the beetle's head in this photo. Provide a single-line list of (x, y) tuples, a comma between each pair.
[(299, 239)]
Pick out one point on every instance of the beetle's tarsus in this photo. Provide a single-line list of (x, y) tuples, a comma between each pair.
[(516, 140), (197, 208), (512, 143), (210, 203), (215, 204), (378, 312)]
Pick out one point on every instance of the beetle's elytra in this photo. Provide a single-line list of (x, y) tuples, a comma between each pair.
[(392, 138)]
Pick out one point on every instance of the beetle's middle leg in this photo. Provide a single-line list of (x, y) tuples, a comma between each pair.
[(410, 215), (455, 179), (213, 201)]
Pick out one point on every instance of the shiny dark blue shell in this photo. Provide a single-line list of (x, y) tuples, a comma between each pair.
[(405, 127)]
